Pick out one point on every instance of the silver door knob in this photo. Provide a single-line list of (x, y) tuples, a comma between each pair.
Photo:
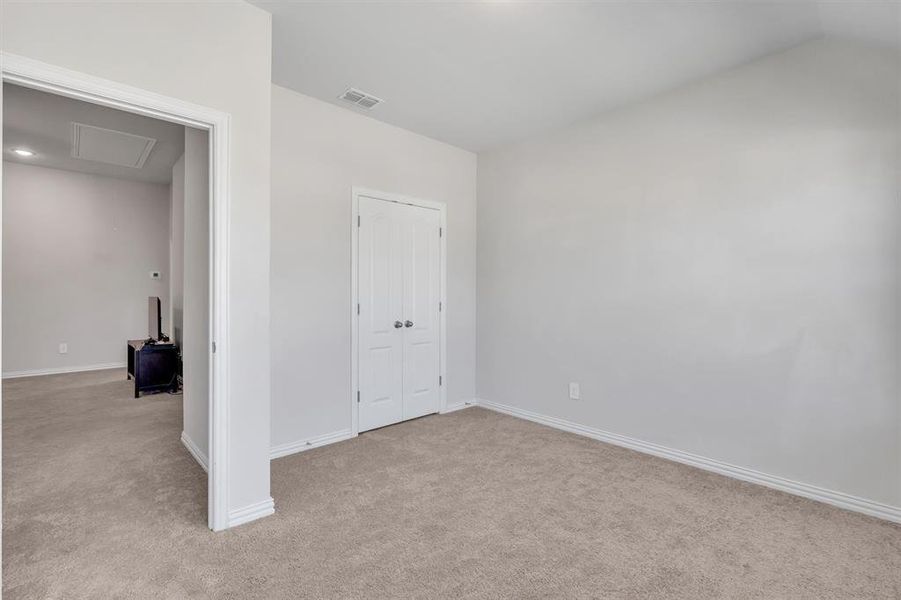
[(408, 323), (398, 324)]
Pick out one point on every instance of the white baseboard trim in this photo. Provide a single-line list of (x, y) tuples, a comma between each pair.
[(457, 406), (300, 446), (195, 451), (61, 370), (839, 499), (239, 516)]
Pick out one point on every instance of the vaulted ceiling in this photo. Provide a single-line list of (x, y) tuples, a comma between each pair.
[(482, 73)]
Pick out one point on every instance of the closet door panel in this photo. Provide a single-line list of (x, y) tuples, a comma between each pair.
[(381, 341), (421, 274)]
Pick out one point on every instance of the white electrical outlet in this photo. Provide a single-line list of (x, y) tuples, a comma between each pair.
[(63, 348), (574, 392)]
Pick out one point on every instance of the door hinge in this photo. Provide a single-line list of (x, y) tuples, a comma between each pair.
[(440, 380), (358, 220), (214, 347), (441, 232), (358, 396), (440, 307), (358, 308)]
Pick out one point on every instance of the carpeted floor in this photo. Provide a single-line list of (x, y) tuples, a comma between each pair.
[(100, 500)]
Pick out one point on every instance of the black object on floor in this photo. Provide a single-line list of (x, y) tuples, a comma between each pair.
[(154, 367)]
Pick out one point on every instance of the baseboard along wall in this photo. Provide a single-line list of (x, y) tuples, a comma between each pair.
[(812, 492), (339, 436), (458, 406), (252, 512), (61, 370), (238, 516), (309, 444), (195, 451), (805, 490)]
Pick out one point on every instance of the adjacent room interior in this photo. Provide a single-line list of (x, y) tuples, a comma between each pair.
[(517, 300), (106, 294)]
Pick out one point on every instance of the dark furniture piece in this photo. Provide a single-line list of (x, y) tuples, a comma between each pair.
[(154, 367)]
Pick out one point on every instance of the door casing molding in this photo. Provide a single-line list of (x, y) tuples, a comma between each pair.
[(50, 78), (441, 207)]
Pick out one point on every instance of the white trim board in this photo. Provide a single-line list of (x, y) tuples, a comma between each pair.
[(441, 207), (338, 436), (797, 488), (61, 370), (196, 452), (458, 406), (303, 445), (251, 512), (50, 78)]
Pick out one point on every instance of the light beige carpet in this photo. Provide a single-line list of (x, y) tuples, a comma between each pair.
[(102, 501)]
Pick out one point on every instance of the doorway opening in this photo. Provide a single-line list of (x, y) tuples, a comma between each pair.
[(107, 155)]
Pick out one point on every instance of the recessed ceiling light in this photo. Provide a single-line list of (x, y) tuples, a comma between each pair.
[(23, 152)]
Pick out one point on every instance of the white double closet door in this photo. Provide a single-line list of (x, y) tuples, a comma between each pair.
[(399, 291)]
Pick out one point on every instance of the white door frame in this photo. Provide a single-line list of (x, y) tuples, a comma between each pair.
[(73, 84), (441, 207)]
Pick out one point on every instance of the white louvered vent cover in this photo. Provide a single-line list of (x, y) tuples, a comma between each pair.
[(361, 99), (110, 146)]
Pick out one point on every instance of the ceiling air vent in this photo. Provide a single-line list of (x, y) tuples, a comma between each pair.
[(110, 146), (361, 99)]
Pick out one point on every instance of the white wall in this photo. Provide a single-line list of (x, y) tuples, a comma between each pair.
[(215, 54), (717, 267), (319, 151), (78, 250), (177, 251), (195, 346)]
